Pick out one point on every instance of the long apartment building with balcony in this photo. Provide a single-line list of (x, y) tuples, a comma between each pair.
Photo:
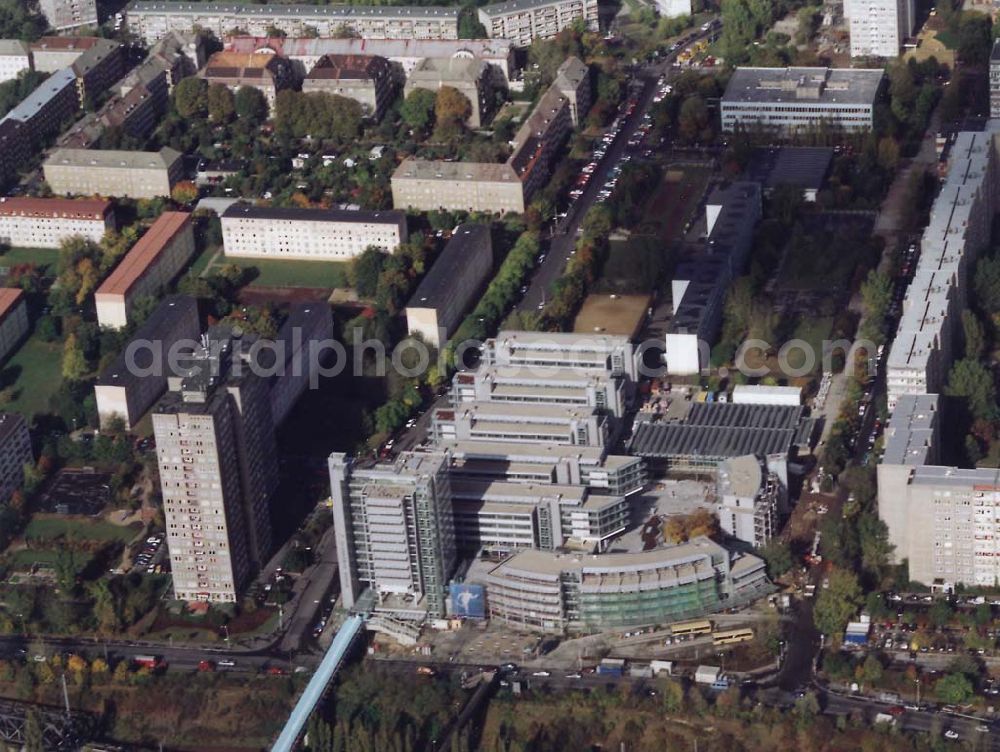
[(523, 21), (959, 227), (944, 520), (154, 19)]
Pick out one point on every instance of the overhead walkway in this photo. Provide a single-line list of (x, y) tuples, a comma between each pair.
[(317, 686)]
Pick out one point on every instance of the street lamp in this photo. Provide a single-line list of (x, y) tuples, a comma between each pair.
[(226, 628)]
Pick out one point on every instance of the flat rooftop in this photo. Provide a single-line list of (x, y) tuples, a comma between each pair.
[(292, 11), (114, 158), (802, 166), (296, 214), (473, 172), (534, 561), (910, 435), (436, 288), (720, 430), (516, 6), (802, 87)]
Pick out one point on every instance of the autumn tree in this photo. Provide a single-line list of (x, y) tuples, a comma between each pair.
[(451, 110), (74, 365)]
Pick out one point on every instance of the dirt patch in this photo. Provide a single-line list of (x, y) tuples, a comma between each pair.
[(280, 295), (612, 314)]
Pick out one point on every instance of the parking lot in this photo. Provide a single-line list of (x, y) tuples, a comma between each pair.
[(150, 557)]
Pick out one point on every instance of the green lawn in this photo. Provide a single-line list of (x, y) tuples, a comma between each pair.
[(28, 557), (201, 262), (47, 528), (812, 330), (44, 257), (289, 273), (35, 372)]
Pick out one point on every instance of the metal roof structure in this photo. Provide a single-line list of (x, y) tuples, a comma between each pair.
[(722, 430)]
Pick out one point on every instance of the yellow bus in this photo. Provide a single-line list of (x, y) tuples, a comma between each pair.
[(684, 628), (731, 636)]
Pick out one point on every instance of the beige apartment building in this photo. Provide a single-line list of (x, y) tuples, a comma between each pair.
[(308, 234), (457, 186), (13, 320), (154, 19), (149, 267), (46, 222), (367, 79), (470, 77), (130, 174), (523, 21)]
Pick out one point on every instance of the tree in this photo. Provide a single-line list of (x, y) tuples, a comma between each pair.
[(940, 613), (778, 557), (221, 103), (876, 550), (365, 271), (469, 26), (451, 106), (693, 119), (250, 104), (972, 380), (418, 108), (184, 192), (74, 365), (975, 337), (987, 283), (872, 670), (954, 689), (191, 97), (837, 603)]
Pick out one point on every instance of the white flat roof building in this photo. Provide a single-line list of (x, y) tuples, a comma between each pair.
[(308, 234), (795, 99)]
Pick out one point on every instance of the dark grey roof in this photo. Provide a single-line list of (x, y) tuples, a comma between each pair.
[(804, 87), (295, 213), (719, 430), (158, 329), (803, 166), (439, 281)]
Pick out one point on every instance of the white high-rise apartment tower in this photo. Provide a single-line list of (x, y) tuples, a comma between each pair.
[(879, 27)]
